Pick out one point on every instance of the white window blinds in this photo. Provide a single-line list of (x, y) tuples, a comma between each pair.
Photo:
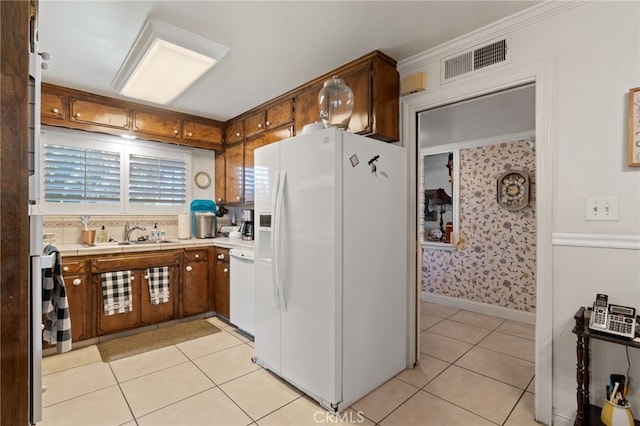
[(81, 175), (157, 181)]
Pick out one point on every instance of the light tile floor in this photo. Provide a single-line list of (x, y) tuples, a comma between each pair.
[(474, 370)]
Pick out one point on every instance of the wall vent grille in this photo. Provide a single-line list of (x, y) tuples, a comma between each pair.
[(474, 59)]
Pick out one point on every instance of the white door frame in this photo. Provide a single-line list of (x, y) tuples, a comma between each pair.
[(540, 73)]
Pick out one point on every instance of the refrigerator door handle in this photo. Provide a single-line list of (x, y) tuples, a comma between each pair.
[(277, 241)]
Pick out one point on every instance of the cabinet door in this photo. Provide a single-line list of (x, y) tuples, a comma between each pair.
[(195, 290), (254, 124), (307, 110), (234, 178), (202, 135), (280, 114), (80, 312), (221, 193), (117, 322), (152, 314), (249, 147), (84, 111), (278, 135), (51, 106), (221, 282), (155, 124), (234, 132), (359, 81)]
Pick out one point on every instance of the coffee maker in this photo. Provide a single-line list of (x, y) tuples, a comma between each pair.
[(247, 224)]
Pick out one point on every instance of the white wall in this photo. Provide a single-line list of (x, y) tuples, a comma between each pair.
[(594, 52)]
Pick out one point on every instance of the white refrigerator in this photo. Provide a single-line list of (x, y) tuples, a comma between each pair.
[(331, 260)]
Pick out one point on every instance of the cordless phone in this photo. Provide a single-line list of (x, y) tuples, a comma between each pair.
[(614, 319)]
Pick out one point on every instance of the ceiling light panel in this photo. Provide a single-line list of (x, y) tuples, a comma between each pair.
[(164, 61)]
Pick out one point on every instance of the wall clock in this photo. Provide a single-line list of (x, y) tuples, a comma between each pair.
[(513, 190), (202, 180)]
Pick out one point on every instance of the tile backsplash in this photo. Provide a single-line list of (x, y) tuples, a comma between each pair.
[(67, 229)]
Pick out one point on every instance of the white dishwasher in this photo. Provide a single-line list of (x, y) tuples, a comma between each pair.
[(242, 289)]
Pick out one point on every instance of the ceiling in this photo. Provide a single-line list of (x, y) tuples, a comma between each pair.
[(274, 46)]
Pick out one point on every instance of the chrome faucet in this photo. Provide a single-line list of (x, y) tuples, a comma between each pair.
[(128, 231)]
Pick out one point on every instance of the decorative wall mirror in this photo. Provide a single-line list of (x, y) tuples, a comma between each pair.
[(439, 200)]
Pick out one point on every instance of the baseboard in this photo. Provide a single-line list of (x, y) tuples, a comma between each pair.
[(481, 308), (561, 418)]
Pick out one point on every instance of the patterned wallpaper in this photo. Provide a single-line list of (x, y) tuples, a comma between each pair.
[(496, 262)]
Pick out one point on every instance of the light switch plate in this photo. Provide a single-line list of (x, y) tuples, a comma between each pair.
[(602, 208)]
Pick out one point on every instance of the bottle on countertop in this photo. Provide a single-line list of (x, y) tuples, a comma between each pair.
[(163, 234), (155, 233), (103, 237)]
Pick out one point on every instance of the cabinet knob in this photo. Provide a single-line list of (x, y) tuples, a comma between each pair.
[(238, 198), (77, 115), (65, 268), (238, 134), (268, 123), (189, 268), (190, 134), (221, 256), (77, 281), (260, 126), (132, 278), (175, 132), (55, 110), (146, 277), (226, 269), (197, 256)]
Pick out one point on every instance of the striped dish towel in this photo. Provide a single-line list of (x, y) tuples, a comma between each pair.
[(158, 284), (116, 292)]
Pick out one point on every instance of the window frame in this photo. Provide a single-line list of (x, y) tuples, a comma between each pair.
[(125, 147)]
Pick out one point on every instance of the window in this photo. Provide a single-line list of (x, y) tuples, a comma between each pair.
[(86, 173), (81, 175), (157, 181)]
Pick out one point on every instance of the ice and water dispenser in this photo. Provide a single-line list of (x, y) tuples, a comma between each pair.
[(203, 218)]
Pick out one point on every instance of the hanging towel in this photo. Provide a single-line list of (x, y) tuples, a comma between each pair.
[(158, 284), (116, 292), (55, 305)]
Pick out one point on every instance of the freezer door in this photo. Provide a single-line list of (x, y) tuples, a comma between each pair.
[(309, 265), (267, 312)]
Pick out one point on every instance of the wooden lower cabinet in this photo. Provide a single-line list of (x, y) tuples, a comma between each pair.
[(195, 282), (143, 313), (221, 282)]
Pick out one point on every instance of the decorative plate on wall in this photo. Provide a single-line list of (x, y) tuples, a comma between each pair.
[(513, 190), (202, 180)]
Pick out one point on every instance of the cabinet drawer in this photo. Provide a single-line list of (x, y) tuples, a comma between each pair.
[(254, 124), (234, 132), (73, 267), (280, 114), (83, 111), (135, 261), (222, 255), (52, 106), (156, 124), (196, 255), (208, 133)]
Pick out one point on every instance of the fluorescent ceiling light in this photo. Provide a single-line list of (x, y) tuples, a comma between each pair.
[(164, 61)]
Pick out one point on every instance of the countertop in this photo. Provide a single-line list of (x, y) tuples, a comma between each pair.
[(69, 250)]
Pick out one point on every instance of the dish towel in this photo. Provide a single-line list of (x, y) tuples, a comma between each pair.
[(55, 305), (116, 292), (158, 284)]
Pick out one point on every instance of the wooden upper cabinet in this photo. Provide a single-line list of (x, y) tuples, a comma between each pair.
[(277, 135), (203, 135), (52, 106), (280, 114), (156, 124), (100, 114), (249, 147), (234, 173), (376, 89), (255, 124), (220, 184), (234, 132), (307, 110)]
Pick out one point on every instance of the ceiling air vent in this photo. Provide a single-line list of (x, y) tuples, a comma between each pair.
[(474, 59)]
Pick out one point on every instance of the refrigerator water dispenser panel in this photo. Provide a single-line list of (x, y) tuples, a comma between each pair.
[(265, 220)]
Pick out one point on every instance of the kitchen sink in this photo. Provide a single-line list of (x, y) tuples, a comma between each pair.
[(135, 243)]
